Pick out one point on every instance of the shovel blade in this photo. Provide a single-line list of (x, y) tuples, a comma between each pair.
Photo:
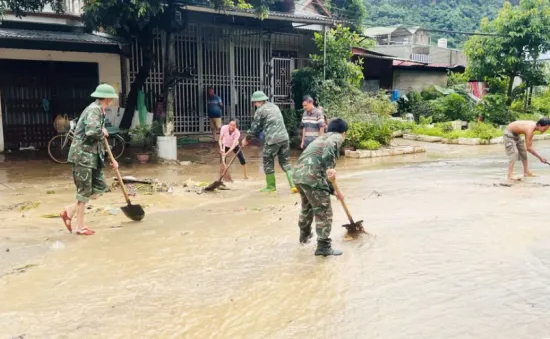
[(356, 227), (134, 212), (213, 186)]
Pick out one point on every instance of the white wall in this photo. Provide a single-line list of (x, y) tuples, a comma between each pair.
[(108, 64)]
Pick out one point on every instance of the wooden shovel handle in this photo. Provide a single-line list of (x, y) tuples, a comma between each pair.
[(230, 163), (108, 149), (337, 189)]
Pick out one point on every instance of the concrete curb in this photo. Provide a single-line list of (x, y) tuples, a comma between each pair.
[(385, 152)]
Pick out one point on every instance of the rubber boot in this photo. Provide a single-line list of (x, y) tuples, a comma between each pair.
[(270, 180), (324, 249), (293, 188), (305, 236)]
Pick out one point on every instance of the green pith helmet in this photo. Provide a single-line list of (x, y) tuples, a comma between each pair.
[(259, 96), (104, 91)]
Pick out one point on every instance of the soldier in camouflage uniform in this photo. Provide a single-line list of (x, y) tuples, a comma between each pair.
[(312, 173), (87, 156), (269, 119)]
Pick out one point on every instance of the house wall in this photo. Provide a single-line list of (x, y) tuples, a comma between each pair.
[(406, 80), (421, 38), (396, 51), (108, 64), (447, 56)]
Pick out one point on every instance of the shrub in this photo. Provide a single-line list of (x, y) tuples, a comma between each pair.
[(352, 104), (453, 107), (446, 127), (493, 107), (377, 129), (430, 93), (483, 131), (370, 145), (457, 79), (429, 131), (292, 121), (422, 109), (400, 125)]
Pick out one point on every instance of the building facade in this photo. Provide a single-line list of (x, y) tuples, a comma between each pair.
[(49, 66)]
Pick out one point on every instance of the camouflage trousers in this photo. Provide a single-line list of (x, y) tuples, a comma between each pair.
[(88, 182), (280, 150), (315, 203)]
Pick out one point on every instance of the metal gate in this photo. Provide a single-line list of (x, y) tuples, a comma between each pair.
[(35, 92), (235, 62), (281, 82)]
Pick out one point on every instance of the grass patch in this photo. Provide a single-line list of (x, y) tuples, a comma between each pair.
[(477, 130)]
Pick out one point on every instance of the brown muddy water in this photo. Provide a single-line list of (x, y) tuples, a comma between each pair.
[(453, 255)]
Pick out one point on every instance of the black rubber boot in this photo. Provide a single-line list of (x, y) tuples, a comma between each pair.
[(305, 237), (324, 249)]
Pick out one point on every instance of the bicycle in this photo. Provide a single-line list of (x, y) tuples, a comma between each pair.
[(59, 146)]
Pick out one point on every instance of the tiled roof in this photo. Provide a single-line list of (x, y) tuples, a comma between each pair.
[(79, 37)]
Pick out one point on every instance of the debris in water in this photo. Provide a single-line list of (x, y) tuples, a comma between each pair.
[(185, 163), (7, 249), (51, 216), (22, 336), (22, 206), (376, 193), (50, 192)]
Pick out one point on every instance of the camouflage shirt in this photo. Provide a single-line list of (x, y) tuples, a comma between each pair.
[(87, 148), (321, 155), (269, 119)]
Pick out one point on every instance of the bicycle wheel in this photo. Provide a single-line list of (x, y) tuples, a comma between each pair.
[(58, 148), (117, 144)]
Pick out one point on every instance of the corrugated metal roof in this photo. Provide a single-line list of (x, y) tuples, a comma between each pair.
[(385, 30), (398, 63), (79, 37), (297, 16)]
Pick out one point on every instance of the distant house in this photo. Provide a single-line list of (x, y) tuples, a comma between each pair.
[(387, 72), (49, 65), (413, 44)]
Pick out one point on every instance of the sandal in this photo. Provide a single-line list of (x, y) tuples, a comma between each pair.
[(85, 231), (66, 220)]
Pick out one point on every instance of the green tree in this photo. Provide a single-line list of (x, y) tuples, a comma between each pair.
[(19, 7), (518, 32), (337, 66), (351, 10)]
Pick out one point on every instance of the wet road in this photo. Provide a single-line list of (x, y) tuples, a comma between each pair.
[(453, 255)]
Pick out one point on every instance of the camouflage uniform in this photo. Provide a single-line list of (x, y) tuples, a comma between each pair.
[(87, 153), (269, 119), (310, 176)]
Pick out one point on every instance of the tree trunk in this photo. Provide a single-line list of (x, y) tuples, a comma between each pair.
[(146, 43), (509, 91), (169, 82), (531, 89), (526, 98)]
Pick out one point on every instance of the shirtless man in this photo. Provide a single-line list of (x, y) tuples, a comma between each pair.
[(515, 147)]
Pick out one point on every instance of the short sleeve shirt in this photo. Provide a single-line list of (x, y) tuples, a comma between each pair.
[(229, 138), (214, 109), (312, 122)]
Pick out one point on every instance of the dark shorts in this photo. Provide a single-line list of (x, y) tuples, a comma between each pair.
[(242, 160), (88, 182)]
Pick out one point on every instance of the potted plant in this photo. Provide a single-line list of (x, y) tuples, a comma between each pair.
[(143, 137)]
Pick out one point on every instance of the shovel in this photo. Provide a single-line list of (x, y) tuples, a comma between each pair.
[(353, 226), (219, 182), (134, 212)]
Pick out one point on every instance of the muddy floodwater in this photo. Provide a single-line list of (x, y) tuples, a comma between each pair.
[(452, 254)]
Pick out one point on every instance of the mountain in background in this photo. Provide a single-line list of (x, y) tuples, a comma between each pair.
[(451, 15)]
